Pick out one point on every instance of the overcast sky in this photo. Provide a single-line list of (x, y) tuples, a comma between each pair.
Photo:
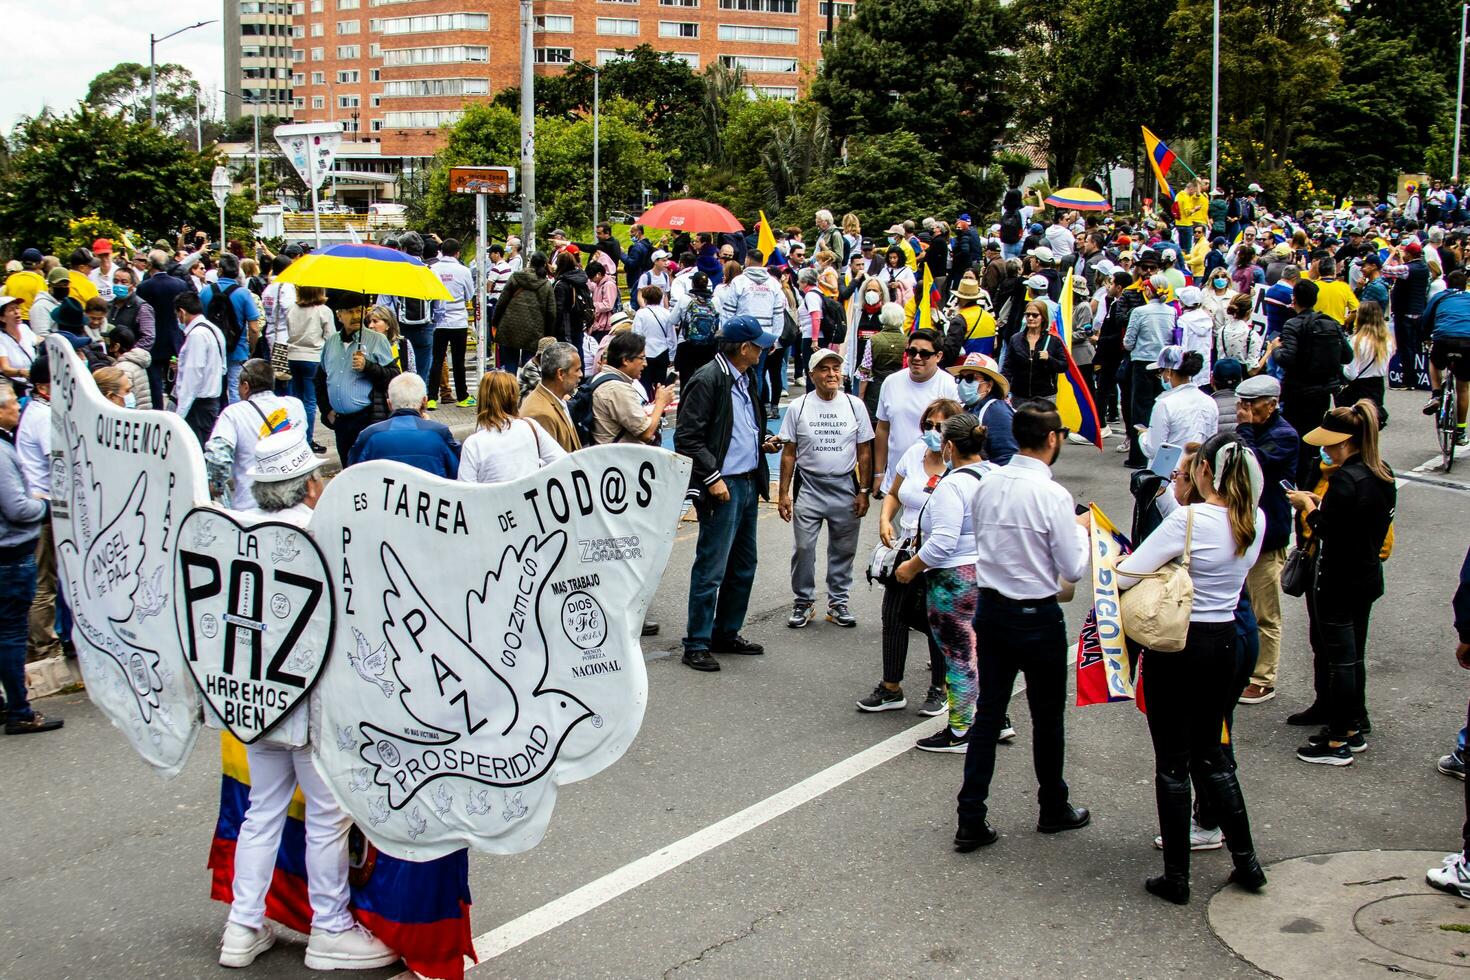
[(57, 46)]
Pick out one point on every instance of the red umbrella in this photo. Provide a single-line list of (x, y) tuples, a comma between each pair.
[(689, 214)]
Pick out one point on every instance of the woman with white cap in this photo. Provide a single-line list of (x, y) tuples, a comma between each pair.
[(1196, 329), (1182, 413)]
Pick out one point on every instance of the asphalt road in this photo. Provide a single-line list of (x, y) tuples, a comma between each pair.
[(102, 873)]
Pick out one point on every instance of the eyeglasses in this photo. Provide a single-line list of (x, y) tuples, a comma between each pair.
[(1033, 316), (921, 354), (927, 426)]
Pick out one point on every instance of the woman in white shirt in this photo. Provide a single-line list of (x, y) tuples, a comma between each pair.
[(1182, 414), (658, 325), (1190, 692), (1238, 337), (308, 325), (945, 566), (1216, 294), (1372, 346), (914, 478), (505, 447), (17, 345)]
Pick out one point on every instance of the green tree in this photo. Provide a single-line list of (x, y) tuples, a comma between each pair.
[(89, 162), (123, 90), (886, 177), (889, 69)]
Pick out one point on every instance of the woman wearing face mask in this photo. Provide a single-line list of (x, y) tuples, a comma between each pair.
[(864, 321), (914, 479), (1190, 692), (1034, 357), (983, 392), (1182, 413), (132, 361), (1216, 295), (115, 386), (945, 564)]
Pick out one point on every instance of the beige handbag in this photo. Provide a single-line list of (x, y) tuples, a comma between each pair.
[(1156, 611)]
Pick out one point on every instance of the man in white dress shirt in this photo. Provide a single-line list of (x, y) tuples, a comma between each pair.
[(1031, 539), (199, 376)]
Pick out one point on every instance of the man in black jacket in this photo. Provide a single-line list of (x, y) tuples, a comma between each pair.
[(1311, 351), (722, 429)]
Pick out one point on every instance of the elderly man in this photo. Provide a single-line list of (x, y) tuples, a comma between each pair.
[(829, 237), (406, 436), (722, 429), (828, 448), (1260, 425), (127, 309), (561, 374), (285, 487), (229, 452)]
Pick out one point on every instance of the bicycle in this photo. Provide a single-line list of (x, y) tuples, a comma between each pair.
[(1446, 418)]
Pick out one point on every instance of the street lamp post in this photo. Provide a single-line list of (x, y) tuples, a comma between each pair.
[(1460, 93), (153, 68), (596, 141), (219, 183), (528, 130)]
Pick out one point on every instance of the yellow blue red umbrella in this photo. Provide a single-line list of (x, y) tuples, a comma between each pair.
[(1078, 199), (371, 269)]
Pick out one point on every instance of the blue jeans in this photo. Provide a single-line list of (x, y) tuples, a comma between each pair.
[(1011, 251), (232, 382), (303, 386), (17, 589), (511, 358), (421, 339), (724, 566), (772, 374)]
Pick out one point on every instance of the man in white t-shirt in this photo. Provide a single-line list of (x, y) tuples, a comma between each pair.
[(229, 452), (829, 449), (902, 401)]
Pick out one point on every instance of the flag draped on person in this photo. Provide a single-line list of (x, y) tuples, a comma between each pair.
[(1104, 672), (1161, 158), (765, 240), (1074, 397), (925, 302), (419, 908)]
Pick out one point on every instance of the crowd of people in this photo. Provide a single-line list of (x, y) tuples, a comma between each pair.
[(1244, 353)]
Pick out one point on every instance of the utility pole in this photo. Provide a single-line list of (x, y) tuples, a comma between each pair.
[(1215, 105), (1460, 93), (528, 130)]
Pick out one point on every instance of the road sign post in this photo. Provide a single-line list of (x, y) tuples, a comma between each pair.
[(481, 182), (219, 185), (311, 148)]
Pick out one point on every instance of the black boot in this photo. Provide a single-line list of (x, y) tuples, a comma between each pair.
[(1172, 793), (1229, 808)]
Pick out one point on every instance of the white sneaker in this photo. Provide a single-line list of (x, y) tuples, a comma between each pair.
[(355, 949), (1078, 439), (1200, 839), (1453, 876), (1122, 447), (242, 944)]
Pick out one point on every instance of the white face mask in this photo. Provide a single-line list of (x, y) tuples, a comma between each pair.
[(870, 298), (130, 400)]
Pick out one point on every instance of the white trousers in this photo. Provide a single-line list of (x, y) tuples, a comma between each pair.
[(275, 772)]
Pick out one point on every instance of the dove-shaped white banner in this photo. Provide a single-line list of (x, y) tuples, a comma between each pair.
[(488, 641), (121, 482)]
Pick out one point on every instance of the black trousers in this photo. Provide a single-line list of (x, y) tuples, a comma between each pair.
[(1011, 638), (1406, 342), (655, 372), (1304, 412), (347, 428), (444, 341), (896, 641), (1144, 390), (203, 413), (1339, 636), (1189, 695)]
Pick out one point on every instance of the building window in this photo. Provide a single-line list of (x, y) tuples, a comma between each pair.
[(318, 54), (553, 56), (678, 3), (373, 74), (297, 54), (349, 77), (318, 78), (784, 92), (670, 28), (318, 101), (348, 4), (316, 6), (554, 24), (412, 88), (376, 125), (450, 54), (761, 6), (688, 57), (617, 1), (299, 30), (375, 50), (758, 35), (754, 63), (348, 26), (348, 101), (607, 55), (299, 102), (317, 30), (423, 119), (844, 10), (436, 22), (346, 51), (298, 8), (298, 78), (621, 26), (375, 100)]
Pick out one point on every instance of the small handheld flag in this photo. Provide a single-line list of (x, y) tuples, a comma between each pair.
[(765, 240)]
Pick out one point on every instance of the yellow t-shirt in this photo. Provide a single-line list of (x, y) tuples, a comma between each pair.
[(1335, 298), (82, 288), (1194, 209), (25, 285)]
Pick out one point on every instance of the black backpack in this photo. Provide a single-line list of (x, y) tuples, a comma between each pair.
[(834, 321), (415, 312), (1010, 227), (579, 406), (582, 311), (221, 313)]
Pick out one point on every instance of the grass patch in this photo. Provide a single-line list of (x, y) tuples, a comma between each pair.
[(1456, 927)]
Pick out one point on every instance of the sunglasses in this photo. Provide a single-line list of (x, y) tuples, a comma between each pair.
[(921, 354), (1064, 432), (928, 426)]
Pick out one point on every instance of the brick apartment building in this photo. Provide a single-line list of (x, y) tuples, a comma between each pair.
[(394, 71)]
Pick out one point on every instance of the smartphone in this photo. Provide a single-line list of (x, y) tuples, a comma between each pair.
[(1287, 486)]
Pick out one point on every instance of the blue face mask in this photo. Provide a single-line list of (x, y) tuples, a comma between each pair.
[(119, 291), (1221, 283), (129, 401), (1326, 459), (1167, 384), (933, 440), (969, 391)]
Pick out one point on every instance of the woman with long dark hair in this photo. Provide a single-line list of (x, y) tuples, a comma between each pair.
[(1190, 692)]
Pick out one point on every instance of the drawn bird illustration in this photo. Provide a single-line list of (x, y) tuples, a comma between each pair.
[(302, 661), (346, 738), (378, 811), (370, 664), (417, 823), (478, 804), (442, 800), (151, 597), (513, 807), (362, 778), (286, 548), (205, 534), (491, 697)]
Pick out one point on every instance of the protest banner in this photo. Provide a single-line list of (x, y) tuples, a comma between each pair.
[(121, 482), (1104, 674), (488, 641)]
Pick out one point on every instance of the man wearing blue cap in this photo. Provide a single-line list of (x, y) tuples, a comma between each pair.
[(722, 429)]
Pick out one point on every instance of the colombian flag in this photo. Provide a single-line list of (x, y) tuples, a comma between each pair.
[(1074, 400), (421, 909), (764, 240), (1105, 673), (1161, 158), (927, 301)]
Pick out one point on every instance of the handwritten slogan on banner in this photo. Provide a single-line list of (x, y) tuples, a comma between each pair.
[(1104, 673), (121, 482)]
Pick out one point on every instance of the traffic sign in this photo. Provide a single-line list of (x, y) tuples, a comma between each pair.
[(482, 180)]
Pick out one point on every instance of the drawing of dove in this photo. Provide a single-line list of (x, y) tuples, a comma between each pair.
[(442, 800), (479, 803), (377, 811), (151, 595), (346, 738), (204, 535), (362, 778), (285, 549), (491, 695), (370, 664), (513, 808), (417, 824)]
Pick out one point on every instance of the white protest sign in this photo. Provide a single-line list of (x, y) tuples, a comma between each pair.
[(255, 616), (488, 641), (311, 148), (121, 482)]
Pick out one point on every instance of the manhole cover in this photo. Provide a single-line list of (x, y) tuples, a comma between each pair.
[(1410, 924)]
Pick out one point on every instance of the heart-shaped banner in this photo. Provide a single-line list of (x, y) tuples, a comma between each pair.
[(255, 616)]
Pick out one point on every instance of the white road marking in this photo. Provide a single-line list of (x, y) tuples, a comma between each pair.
[(594, 894), (1432, 463)]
